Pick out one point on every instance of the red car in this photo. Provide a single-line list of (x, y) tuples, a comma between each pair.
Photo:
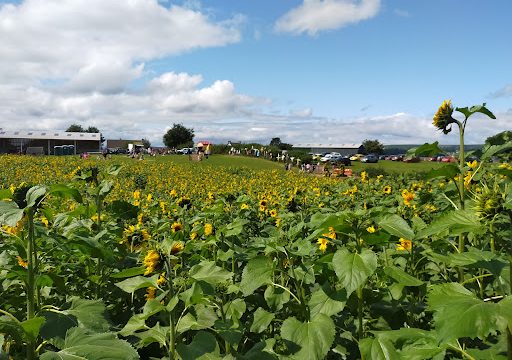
[(449, 159)]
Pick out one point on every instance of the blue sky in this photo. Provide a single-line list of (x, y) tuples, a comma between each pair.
[(307, 71)]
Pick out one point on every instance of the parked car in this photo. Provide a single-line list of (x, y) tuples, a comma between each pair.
[(412, 159), (397, 157), (449, 159), (340, 159), (330, 156), (437, 157), (185, 151), (356, 157), (370, 158)]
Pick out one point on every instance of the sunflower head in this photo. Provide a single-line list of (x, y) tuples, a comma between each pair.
[(489, 202), (443, 117)]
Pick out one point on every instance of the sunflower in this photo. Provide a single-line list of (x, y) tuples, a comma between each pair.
[(322, 244), (22, 262), (386, 190), (404, 244), (443, 117), (208, 229), (176, 226), (408, 197), (151, 261), (150, 293), (177, 247), (244, 207), (371, 229)]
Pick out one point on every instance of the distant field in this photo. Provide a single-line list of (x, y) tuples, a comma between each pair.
[(398, 166), (262, 164)]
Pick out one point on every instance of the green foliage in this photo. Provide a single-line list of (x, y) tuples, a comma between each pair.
[(373, 146), (178, 136)]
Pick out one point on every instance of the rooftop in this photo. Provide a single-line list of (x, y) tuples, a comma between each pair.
[(48, 134)]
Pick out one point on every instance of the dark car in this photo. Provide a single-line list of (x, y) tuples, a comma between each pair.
[(342, 160), (370, 158)]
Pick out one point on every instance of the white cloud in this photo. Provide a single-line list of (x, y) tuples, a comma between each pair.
[(505, 91), (304, 113), (79, 42), (401, 13), (313, 16)]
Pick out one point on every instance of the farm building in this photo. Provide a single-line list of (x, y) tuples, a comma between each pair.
[(48, 142), (113, 145), (343, 149)]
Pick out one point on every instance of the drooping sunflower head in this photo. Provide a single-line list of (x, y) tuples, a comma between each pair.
[(443, 117)]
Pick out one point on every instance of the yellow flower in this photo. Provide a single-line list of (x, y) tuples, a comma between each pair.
[(193, 235), (151, 261), (244, 207), (379, 177), (149, 197), (387, 189), (278, 222), (364, 176), (208, 229), (161, 279), (22, 262), (404, 244), (273, 213), (443, 117), (44, 220), (177, 247), (467, 179), (322, 244), (176, 226), (408, 197), (150, 293), (370, 229), (145, 234), (173, 193), (473, 164), (136, 194)]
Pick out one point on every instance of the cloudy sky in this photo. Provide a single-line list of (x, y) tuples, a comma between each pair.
[(323, 71)]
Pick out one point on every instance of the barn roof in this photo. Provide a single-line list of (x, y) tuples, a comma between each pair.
[(49, 134)]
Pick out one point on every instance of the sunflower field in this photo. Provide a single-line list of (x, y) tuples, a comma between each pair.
[(158, 260)]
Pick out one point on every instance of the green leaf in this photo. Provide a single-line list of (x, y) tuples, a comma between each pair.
[(156, 334), (426, 150), (81, 345), (12, 328), (377, 349), (32, 326), (490, 151), (256, 273), (476, 109), (314, 337), (353, 269), (89, 313), (132, 284), (236, 227), (136, 322), (114, 169), (139, 270), (210, 273), (401, 276), (152, 307), (204, 318), (459, 313), (123, 209), (262, 320), (395, 225), (412, 343), (447, 171), (10, 213), (5, 194), (327, 301), (457, 221), (65, 191), (204, 346), (34, 195), (276, 297), (105, 187)]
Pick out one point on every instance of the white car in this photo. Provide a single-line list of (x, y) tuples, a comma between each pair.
[(330, 156)]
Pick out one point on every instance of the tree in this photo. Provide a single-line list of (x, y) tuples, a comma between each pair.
[(146, 143), (373, 147), (275, 142), (92, 129), (178, 135), (75, 128)]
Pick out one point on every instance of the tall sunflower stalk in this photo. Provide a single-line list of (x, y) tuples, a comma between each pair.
[(443, 120)]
